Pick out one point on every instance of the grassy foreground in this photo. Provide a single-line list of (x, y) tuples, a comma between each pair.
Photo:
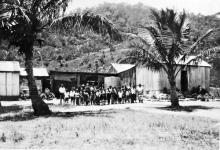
[(111, 129)]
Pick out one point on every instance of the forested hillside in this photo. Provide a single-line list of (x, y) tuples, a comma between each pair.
[(86, 51)]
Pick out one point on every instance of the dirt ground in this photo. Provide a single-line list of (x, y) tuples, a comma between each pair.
[(151, 125), (190, 108)]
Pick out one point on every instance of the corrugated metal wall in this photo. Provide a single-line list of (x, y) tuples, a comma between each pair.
[(9, 84), (157, 81), (198, 76), (148, 78), (128, 78)]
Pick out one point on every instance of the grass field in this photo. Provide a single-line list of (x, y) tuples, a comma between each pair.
[(111, 129)]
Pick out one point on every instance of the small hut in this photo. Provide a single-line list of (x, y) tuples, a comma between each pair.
[(9, 80), (41, 78)]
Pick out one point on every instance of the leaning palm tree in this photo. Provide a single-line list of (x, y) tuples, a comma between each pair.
[(21, 22), (163, 46)]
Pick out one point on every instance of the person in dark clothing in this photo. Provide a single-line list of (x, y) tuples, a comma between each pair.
[(123, 95), (97, 100), (133, 94), (85, 95), (199, 93), (108, 95)]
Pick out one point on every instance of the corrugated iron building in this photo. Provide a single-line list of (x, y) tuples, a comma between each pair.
[(192, 75), (126, 72), (9, 80)]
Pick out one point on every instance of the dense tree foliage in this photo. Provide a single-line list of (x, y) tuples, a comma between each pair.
[(22, 23), (127, 18)]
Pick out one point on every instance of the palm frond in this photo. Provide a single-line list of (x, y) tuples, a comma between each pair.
[(96, 23), (192, 48), (13, 18)]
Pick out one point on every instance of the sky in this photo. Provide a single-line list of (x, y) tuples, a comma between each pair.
[(205, 7)]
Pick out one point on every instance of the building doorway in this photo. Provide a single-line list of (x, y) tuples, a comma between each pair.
[(184, 81)]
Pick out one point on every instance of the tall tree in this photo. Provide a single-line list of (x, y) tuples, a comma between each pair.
[(164, 45), (21, 22)]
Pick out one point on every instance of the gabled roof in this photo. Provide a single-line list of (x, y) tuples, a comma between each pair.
[(201, 63), (9, 66), (121, 67), (38, 72)]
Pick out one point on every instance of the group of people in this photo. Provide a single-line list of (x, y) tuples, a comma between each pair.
[(92, 95), (201, 93)]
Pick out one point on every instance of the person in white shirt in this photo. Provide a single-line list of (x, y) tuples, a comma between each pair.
[(72, 96), (120, 93), (62, 90), (66, 96)]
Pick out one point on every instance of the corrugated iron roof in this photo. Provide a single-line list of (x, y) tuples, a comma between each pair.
[(38, 72), (9, 66), (201, 63), (122, 67)]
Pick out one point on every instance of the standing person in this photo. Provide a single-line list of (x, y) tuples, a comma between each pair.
[(103, 96), (66, 96), (133, 94), (72, 96), (77, 97), (114, 95), (140, 92), (120, 93), (128, 95), (62, 91), (108, 94), (97, 100), (111, 94), (92, 97), (123, 95), (81, 98), (87, 88), (85, 95)]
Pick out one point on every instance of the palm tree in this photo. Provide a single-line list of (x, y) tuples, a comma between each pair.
[(21, 22), (163, 45)]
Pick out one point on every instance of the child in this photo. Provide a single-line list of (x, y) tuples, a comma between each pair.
[(98, 94), (120, 93), (123, 96), (66, 96), (77, 96), (62, 91), (128, 95), (108, 94), (72, 96), (85, 95), (133, 94)]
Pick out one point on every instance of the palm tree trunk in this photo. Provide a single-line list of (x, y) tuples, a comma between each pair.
[(173, 95), (39, 106)]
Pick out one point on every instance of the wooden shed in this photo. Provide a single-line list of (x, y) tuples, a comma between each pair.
[(9, 80), (193, 75)]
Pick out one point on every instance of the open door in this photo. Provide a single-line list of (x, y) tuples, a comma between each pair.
[(184, 81)]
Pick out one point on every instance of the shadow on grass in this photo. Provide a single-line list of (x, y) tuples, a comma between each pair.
[(24, 116), (10, 109), (186, 108)]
